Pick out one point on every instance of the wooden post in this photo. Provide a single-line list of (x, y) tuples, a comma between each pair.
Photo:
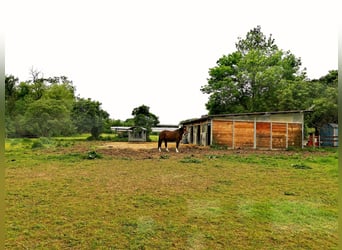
[(255, 136), (211, 133), (233, 134), (271, 135), (302, 116), (287, 136)]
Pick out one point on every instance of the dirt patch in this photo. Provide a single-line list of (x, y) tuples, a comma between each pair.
[(149, 150), (130, 145)]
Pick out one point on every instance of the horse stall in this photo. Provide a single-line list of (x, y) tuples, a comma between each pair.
[(262, 130)]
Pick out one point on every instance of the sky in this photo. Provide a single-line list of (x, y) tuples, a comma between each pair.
[(157, 53)]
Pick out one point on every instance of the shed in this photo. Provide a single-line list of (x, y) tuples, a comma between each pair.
[(137, 134), (329, 135), (261, 130)]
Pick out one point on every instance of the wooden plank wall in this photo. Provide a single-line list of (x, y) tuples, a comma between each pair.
[(278, 135), (295, 135), (261, 135), (243, 134), (222, 132)]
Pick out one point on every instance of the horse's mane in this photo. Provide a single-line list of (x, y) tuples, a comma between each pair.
[(181, 129)]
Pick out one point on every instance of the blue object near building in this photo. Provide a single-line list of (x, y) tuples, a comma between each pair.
[(329, 135)]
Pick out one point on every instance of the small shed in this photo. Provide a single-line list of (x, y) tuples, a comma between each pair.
[(329, 135), (261, 130), (137, 134)]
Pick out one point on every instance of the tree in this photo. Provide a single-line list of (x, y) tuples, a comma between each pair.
[(144, 118), (48, 107), (11, 83), (10, 102), (330, 79), (48, 117), (62, 89), (39, 107), (37, 84), (249, 79), (50, 114), (325, 103), (17, 99), (256, 40), (88, 116)]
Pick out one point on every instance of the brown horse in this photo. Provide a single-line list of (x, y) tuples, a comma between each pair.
[(167, 135)]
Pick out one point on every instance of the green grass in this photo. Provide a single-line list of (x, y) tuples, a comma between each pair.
[(57, 198)]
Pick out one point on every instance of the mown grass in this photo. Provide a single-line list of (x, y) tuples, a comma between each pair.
[(207, 201)]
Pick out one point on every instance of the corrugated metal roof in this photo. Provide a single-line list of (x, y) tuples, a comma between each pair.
[(154, 129), (123, 129), (208, 117), (333, 125)]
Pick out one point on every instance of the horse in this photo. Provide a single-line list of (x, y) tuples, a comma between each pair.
[(167, 135)]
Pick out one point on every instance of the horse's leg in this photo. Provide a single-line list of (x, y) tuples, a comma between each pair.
[(177, 143), (165, 141), (159, 144)]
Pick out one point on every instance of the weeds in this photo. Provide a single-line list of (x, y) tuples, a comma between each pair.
[(301, 166), (37, 144), (190, 159), (93, 155), (164, 156)]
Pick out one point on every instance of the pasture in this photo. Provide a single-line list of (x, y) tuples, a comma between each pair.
[(76, 194)]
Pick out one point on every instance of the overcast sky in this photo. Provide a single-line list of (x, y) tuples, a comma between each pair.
[(153, 52)]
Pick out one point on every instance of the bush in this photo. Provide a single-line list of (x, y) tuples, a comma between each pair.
[(93, 155), (37, 144)]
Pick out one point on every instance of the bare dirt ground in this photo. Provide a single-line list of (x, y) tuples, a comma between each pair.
[(134, 145), (149, 150)]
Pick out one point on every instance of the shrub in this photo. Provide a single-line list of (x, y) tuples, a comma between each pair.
[(37, 144)]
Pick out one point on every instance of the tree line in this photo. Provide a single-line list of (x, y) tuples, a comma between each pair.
[(257, 77), (46, 107)]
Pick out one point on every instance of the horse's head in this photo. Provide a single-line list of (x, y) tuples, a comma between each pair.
[(183, 129)]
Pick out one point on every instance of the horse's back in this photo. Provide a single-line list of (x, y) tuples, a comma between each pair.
[(162, 134), (168, 135)]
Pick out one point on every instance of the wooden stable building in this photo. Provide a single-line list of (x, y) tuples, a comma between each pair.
[(262, 130)]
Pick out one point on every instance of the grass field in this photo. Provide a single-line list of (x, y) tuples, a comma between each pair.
[(67, 194)]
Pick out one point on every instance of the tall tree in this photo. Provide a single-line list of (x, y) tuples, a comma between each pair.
[(39, 107), (256, 40), (325, 103), (62, 89), (144, 118), (11, 96), (50, 114), (248, 80), (11, 83), (88, 116), (48, 117)]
